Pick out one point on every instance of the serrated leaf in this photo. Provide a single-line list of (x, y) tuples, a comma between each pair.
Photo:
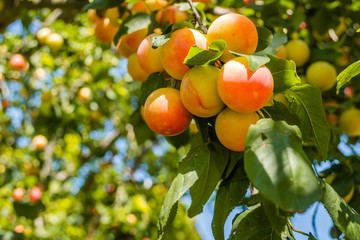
[(265, 37), (203, 188), (283, 72), (153, 82), (230, 194), (132, 24), (172, 216), (280, 112), (278, 167), (254, 61), (345, 76), (200, 56), (306, 102), (346, 219), (103, 4), (190, 169), (253, 224)]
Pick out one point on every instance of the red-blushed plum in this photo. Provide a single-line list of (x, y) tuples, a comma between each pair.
[(18, 62), (35, 194), (243, 90), (18, 194), (199, 93), (175, 50), (165, 113)]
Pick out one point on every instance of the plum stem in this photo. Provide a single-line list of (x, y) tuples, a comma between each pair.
[(197, 17)]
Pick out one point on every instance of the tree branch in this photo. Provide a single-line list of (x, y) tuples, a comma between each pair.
[(197, 17), (48, 156)]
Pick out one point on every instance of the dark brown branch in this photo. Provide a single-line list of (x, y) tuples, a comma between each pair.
[(197, 17)]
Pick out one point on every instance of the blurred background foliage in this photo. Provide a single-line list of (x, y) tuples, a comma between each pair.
[(103, 174), (97, 182)]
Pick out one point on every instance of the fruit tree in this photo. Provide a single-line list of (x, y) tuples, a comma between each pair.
[(122, 119)]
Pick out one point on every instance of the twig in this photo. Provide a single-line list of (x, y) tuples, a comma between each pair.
[(48, 156), (53, 16), (93, 226), (197, 16), (110, 138), (295, 230)]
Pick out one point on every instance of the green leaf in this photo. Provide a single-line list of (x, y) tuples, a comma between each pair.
[(103, 4), (153, 82), (322, 21), (265, 37), (280, 112), (327, 54), (297, 18), (199, 56), (253, 224), (230, 194), (179, 140), (345, 76), (311, 237), (306, 103), (185, 6), (28, 210), (203, 125), (160, 40), (283, 72), (278, 39), (277, 217), (276, 164), (132, 24), (204, 187), (343, 183), (235, 157), (190, 170), (345, 217), (254, 61)]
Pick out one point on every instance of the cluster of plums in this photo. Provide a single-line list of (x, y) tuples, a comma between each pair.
[(233, 93)]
